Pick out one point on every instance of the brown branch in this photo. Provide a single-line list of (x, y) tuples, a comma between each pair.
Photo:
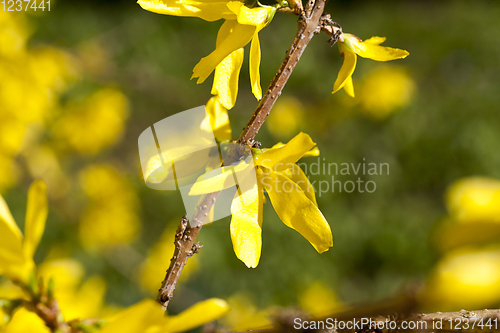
[(185, 246), (392, 315)]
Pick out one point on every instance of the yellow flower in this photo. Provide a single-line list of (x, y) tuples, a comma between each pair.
[(242, 26), (111, 218), (245, 316), (147, 316), (350, 46), (385, 90), (76, 299), (24, 321), (465, 279), (289, 189), (319, 301), (16, 253), (474, 214)]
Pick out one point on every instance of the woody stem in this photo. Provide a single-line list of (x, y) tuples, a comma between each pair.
[(185, 246)]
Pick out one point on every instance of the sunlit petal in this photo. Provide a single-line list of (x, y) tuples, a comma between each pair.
[(246, 225), (346, 70), (298, 212), (197, 315), (281, 158)]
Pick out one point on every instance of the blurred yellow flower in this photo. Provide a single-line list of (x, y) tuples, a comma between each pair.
[(76, 300), (16, 253), (385, 90), (287, 116), (465, 279), (147, 316), (474, 199), (14, 32), (111, 218), (95, 124), (153, 269), (350, 46), (242, 26), (245, 316), (319, 301), (474, 214), (291, 194), (32, 80), (24, 321)]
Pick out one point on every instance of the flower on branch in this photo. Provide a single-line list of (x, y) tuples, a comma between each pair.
[(290, 192), (242, 26), (350, 46)]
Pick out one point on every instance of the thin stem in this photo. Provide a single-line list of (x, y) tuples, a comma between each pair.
[(185, 246)]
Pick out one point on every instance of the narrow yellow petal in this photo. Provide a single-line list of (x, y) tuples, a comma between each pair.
[(208, 11), (246, 224), (7, 220), (281, 158), (11, 253), (36, 215), (298, 212), (381, 53), (255, 66), (141, 317), (347, 68), (349, 87), (197, 315), (218, 119), (372, 50), (239, 36), (220, 179), (226, 78)]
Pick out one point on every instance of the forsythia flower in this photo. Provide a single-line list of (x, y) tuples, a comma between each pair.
[(350, 46), (291, 194), (16, 254), (147, 316), (241, 26)]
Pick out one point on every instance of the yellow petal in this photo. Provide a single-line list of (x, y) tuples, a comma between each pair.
[(145, 316), (373, 51), (255, 66), (246, 224), (36, 215), (197, 315), (8, 222), (206, 10), (313, 152), (25, 321), (226, 78), (239, 36), (297, 211), (258, 16), (349, 87), (11, 255), (375, 40), (220, 179), (281, 158), (347, 68), (218, 119), (298, 176)]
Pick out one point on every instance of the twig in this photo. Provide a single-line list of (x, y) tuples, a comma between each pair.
[(185, 246)]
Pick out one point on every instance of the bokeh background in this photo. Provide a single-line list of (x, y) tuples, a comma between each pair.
[(79, 84)]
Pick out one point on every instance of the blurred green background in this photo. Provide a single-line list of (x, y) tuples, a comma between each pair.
[(432, 117)]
